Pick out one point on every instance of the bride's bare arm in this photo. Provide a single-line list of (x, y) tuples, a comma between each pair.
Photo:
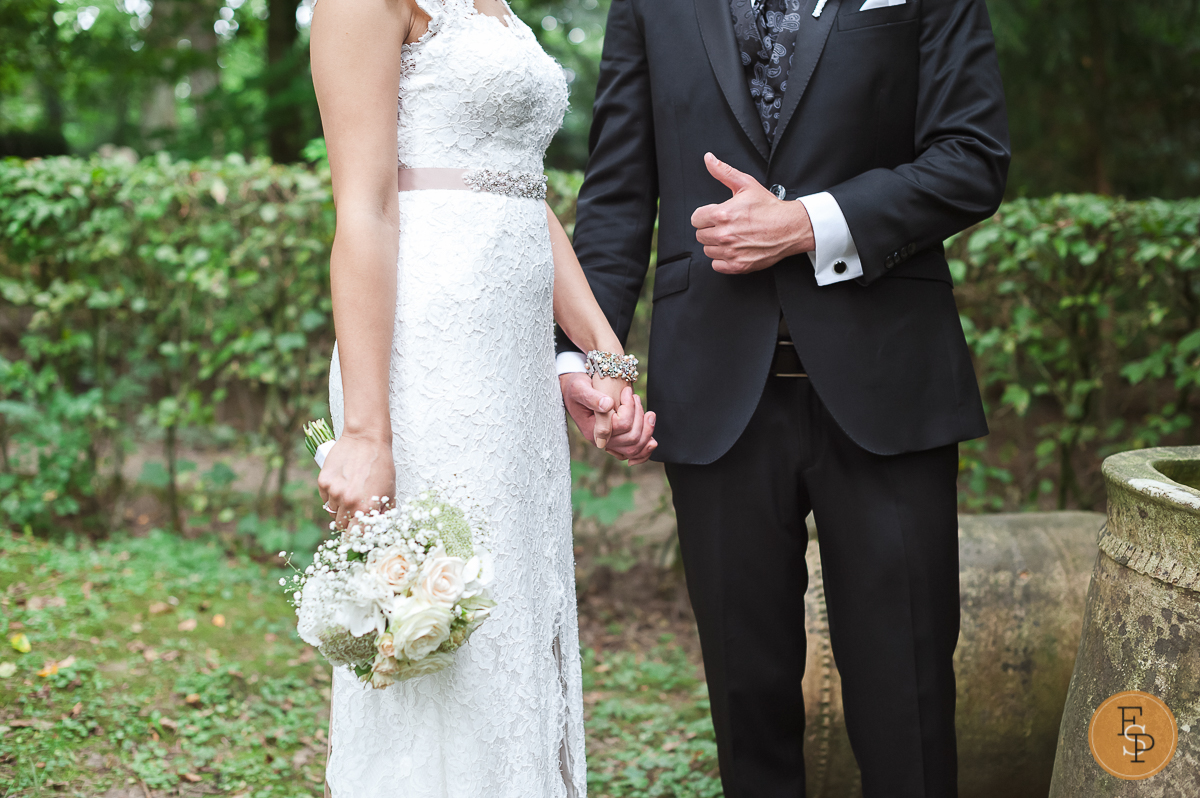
[(618, 425), (355, 54)]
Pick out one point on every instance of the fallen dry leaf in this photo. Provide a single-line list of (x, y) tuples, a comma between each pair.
[(192, 777), (159, 607), (42, 602), (187, 625), (34, 723), (218, 620), (20, 643), (192, 698), (75, 710)]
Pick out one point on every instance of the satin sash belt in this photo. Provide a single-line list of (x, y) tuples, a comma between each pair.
[(526, 185)]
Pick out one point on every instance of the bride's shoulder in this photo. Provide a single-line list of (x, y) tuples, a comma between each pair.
[(384, 17), (374, 7)]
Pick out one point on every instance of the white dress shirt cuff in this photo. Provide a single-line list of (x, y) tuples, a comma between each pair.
[(835, 258), (570, 362)]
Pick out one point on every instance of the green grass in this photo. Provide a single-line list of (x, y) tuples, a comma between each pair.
[(188, 677)]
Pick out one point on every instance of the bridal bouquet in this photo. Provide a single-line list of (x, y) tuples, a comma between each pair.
[(398, 592)]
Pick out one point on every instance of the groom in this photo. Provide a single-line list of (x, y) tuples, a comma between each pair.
[(806, 351)]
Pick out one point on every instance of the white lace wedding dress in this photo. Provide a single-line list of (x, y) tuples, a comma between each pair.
[(474, 398)]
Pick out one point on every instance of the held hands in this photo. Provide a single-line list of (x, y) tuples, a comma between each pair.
[(356, 469), (610, 415), (752, 230)]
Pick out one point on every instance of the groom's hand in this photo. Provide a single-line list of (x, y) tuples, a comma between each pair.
[(752, 230), (630, 435)]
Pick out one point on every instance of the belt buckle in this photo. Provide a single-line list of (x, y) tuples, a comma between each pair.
[(781, 369)]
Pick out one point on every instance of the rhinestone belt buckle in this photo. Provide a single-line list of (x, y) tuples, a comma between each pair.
[(510, 184)]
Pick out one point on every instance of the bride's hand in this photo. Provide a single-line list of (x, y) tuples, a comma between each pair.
[(356, 470)]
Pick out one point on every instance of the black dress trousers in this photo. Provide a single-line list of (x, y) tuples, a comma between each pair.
[(887, 529)]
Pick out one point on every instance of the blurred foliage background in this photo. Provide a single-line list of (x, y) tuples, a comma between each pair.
[(1104, 96), (165, 328), (164, 283), (200, 78)]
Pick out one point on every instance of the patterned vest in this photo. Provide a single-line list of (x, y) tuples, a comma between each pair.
[(766, 36)]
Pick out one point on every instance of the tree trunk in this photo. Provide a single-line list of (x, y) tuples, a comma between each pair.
[(1098, 105), (284, 124), (169, 445)]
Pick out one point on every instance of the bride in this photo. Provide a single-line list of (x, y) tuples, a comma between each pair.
[(448, 269)]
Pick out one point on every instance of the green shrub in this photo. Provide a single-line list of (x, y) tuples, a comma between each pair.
[(1084, 316), (189, 301), (155, 287)]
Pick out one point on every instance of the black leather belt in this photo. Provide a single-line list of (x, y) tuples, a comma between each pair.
[(786, 362)]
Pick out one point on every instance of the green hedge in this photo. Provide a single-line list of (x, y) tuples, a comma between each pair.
[(189, 300), (151, 291), (1083, 315)]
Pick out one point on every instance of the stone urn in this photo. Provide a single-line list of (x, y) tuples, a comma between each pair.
[(1024, 579), (1141, 632)]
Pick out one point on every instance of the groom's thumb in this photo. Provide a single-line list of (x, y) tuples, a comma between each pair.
[(733, 179)]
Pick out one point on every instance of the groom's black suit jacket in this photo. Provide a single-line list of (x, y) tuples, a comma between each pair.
[(897, 112)]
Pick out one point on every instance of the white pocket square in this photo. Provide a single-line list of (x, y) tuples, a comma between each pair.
[(867, 6)]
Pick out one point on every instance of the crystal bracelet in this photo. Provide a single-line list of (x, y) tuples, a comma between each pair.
[(606, 364)]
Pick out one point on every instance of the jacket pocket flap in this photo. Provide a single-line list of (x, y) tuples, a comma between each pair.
[(853, 20), (671, 276)]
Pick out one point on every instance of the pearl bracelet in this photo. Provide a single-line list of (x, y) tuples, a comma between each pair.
[(606, 364)]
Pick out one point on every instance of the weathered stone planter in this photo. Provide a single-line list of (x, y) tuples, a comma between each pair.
[(1142, 624), (1024, 579)]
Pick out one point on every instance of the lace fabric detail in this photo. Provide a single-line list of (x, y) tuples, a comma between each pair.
[(477, 92), (474, 398)]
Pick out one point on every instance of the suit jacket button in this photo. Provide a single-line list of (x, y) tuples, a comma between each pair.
[(779, 191), (910, 249), (889, 263), (840, 267)]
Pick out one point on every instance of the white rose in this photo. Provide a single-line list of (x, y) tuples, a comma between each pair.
[(360, 617), (441, 579), (361, 610), (393, 565), (419, 627), (477, 574)]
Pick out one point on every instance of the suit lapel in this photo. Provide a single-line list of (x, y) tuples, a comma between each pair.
[(716, 29), (810, 42)]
